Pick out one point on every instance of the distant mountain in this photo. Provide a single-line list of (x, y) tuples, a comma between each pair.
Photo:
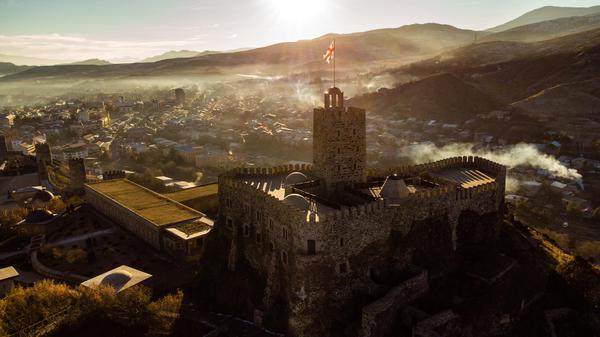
[(575, 99), (175, 54), (9, 68), (553, 77), (546, 30), (30, 61), (125, 59), (360, 51), (545, 14), (442, 97), (93, 62)]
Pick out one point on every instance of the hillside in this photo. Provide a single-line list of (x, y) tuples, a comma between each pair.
[(557, 77), (545, 14), (174, 54), (441, 97), (30, 61), (7, 68), (581, 98), (92, 62), (547, 29), (355, 51)]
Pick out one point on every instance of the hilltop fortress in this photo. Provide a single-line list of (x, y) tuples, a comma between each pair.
[(335, 242)]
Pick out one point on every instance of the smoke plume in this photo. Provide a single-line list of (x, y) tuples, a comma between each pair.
[(512, 156)]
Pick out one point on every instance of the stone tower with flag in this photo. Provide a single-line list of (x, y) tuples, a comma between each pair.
[(339, 142)]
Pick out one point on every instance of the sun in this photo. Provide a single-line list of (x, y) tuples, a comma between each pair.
[(297, 11)]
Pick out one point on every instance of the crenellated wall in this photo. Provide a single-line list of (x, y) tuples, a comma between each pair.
[(329, 257), (112, 175)]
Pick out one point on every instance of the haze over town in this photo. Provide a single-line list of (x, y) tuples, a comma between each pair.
[(288, 168)]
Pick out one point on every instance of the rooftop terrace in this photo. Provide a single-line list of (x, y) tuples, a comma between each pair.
[(194, 192), (152, 206)]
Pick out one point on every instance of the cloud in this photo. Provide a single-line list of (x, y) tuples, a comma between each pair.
[(233, 36), (72, 47)]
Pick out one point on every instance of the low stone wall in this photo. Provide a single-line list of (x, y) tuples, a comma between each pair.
[(378, 317), (66, 276), (425, 328)]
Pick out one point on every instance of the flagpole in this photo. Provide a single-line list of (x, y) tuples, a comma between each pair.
[(334, 63)]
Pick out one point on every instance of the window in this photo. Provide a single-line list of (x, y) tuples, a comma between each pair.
[(271, 246), (311, 247), (343, 268), (228, 203), (229, 223), (284, 233), (339, 133), (246, 230), (258, 237), (354, 132), (271, 225), (338, 150), (342, 242), (284, 257)]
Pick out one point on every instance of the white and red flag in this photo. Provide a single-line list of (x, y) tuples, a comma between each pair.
[(330, 53)]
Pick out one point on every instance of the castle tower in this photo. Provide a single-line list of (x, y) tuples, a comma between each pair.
[(3, 148), (43, 158), (179, 96), (339, 141), (77, 174)]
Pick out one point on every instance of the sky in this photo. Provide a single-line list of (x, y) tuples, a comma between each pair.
[(122, 30)]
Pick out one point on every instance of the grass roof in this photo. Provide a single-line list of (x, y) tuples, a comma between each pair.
[(152, 206)]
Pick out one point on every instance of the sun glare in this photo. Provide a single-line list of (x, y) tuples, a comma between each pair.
[(297, 11)]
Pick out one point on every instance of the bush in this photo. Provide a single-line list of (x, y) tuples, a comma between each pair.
[(23, 308), (12, 216), (56, 205), (75, 255)]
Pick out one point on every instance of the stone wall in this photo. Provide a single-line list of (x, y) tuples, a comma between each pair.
[(277, 240), (77, 174), (339, 141), (128, 219), (43, 158), (378, 317)]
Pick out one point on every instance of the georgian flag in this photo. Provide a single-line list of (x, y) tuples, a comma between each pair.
[(330, 53)]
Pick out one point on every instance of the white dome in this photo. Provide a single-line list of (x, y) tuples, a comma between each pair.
[(394, 188), (117, 279), (296, 200), (295, 178)]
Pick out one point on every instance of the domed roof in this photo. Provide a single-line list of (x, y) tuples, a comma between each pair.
[(117, 279), (394, 188), (295, 178), (43, 196), (296, 200), (38, 216)]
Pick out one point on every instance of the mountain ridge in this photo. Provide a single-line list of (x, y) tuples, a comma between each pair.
[(544, 14)]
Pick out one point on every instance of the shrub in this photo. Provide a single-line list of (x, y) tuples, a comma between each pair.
[(29, 309)]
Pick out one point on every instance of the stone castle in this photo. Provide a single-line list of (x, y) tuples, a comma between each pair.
[(335, 242)]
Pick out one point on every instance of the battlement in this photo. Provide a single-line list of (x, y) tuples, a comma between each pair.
[(251, 191), (453, 162), (76, 161), (112, 175), (446, 191), (268, 171)]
